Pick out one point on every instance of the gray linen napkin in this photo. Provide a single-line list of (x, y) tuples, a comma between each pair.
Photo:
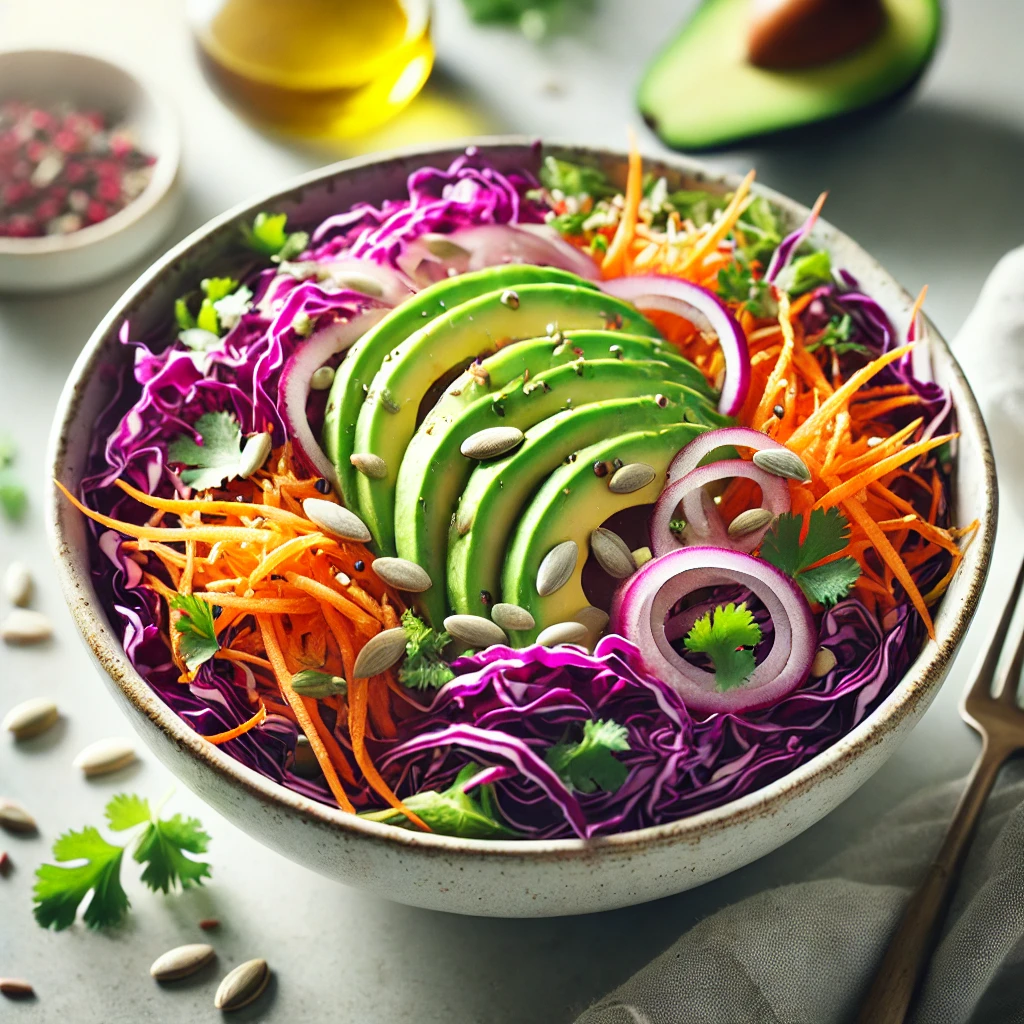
[(805, 953)]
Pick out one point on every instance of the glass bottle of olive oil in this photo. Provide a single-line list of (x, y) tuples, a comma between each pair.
[(327, 68)]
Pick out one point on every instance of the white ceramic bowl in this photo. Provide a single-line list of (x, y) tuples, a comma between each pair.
[(81, 257), (533, 878)]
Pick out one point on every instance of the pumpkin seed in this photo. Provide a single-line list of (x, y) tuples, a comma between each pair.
[(242, 986), (595, 619), (642, 556), (18, 584), (312, 683), (30, 718), (824, 662), (749, 522), (475, 630), (105, 756), (612, 553), (402, 574), (381, 652), (15, 818), (16, 988), (563, 633), (25, 627), (464, 523), (556, 567), (255, 452), (322, 379), (631, 477), (510, 298), (357, 282), (491, 442), (512, 617), (182, 961), (782, 462), (369, 465), (388, 401), (335, 519), (443, 247)]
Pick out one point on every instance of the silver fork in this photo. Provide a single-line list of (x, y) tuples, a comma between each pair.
[(996, 716)]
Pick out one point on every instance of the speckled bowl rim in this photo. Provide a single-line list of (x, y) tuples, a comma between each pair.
[(766, 801)]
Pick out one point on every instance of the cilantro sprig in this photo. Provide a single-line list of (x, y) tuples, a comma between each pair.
[(218, 459), (728, 636), (161, 844), (13, 497), (828, 533), (837, 338), (737, 283), (224, 303), (269, 237), (198, 641), (590, 764), (423, 667)]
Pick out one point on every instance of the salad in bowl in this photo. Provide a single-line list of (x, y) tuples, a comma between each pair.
[(527, 504)]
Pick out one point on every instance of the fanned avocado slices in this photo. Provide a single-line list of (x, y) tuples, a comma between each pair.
[(470, 331), (365, 357)]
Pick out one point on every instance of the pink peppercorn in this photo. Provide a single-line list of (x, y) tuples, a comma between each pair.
[(96, 211), (108, 189)]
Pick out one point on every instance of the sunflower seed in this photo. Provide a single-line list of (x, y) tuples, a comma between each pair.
[(631, 477), (595, 619), (335, 519), (105, 756), (612, 553), (749, 522), (182, 961), (322, 379), (369, 465), (556, 567), (475, 630), (16, 988), (311, 683), (443, 247), (642, 556), (824, 662), (491, 442), (563, 633), (25, 627), (512, 617), (30, 718), (255, 452), (242, 986), (510, 298), (402, 574), (357, 282), (380, 653), (782, 462), (15, 818), (18, 584)]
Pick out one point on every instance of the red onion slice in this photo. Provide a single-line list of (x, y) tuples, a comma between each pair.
[(706, 312), (313, 353), (691, 455), (642, 604)]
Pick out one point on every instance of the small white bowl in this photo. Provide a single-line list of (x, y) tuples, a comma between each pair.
[(54, 262)]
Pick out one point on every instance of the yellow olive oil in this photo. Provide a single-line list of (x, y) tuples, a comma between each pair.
[(328, 68)]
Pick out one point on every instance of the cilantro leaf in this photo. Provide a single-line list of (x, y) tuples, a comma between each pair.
[(162, 849), (125, 811), (809, 271), (828, 533), (13, 496), (697, 205), (423, 667), (575, 179), (760, 230), (727, 636), (183, 315), (198, 633), (736, 283), (837, 338), (269, 237), (590, 764), (59, 891), (218, 458)]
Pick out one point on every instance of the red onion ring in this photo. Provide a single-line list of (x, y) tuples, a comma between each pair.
[(294, 387), (642, 603), (704, 310), (689, 457)]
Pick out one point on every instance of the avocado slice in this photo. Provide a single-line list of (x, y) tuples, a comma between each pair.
[(434, 471), (388, 417), (571, 504), (498, 494), (364, 358), (750, 101)]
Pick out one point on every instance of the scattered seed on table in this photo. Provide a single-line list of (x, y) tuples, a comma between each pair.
[(30, 718), (209, 924), (22, 626), (242, 986), (14, 818), (16, 988), (18, 584), (105, 756), (182, 961), (5, 864)]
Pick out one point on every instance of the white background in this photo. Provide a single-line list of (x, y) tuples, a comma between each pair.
[(934, 191)]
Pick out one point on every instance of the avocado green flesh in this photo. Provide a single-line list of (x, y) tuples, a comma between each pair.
[(387, 419), (498, 496), (434, 471), (569, 506), (365, 357), (748, 101)]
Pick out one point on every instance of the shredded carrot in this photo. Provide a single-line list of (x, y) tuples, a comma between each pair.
[(238, 730), (612, 264)]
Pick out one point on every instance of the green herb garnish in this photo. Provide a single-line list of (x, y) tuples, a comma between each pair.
[(217, 459), (728, 636), (590, 764), (809, 272), (423, 667), (268, 236), (575, 180), (836, 338), (196, 625), (736, 283), (13, 496)]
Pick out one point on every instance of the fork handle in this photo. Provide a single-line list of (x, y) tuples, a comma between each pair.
[(890, 994)]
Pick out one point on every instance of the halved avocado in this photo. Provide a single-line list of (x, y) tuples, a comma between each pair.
[(364, 359), (497, 499), (749, 101), (569, 506), (387, 420), (434, 471)]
